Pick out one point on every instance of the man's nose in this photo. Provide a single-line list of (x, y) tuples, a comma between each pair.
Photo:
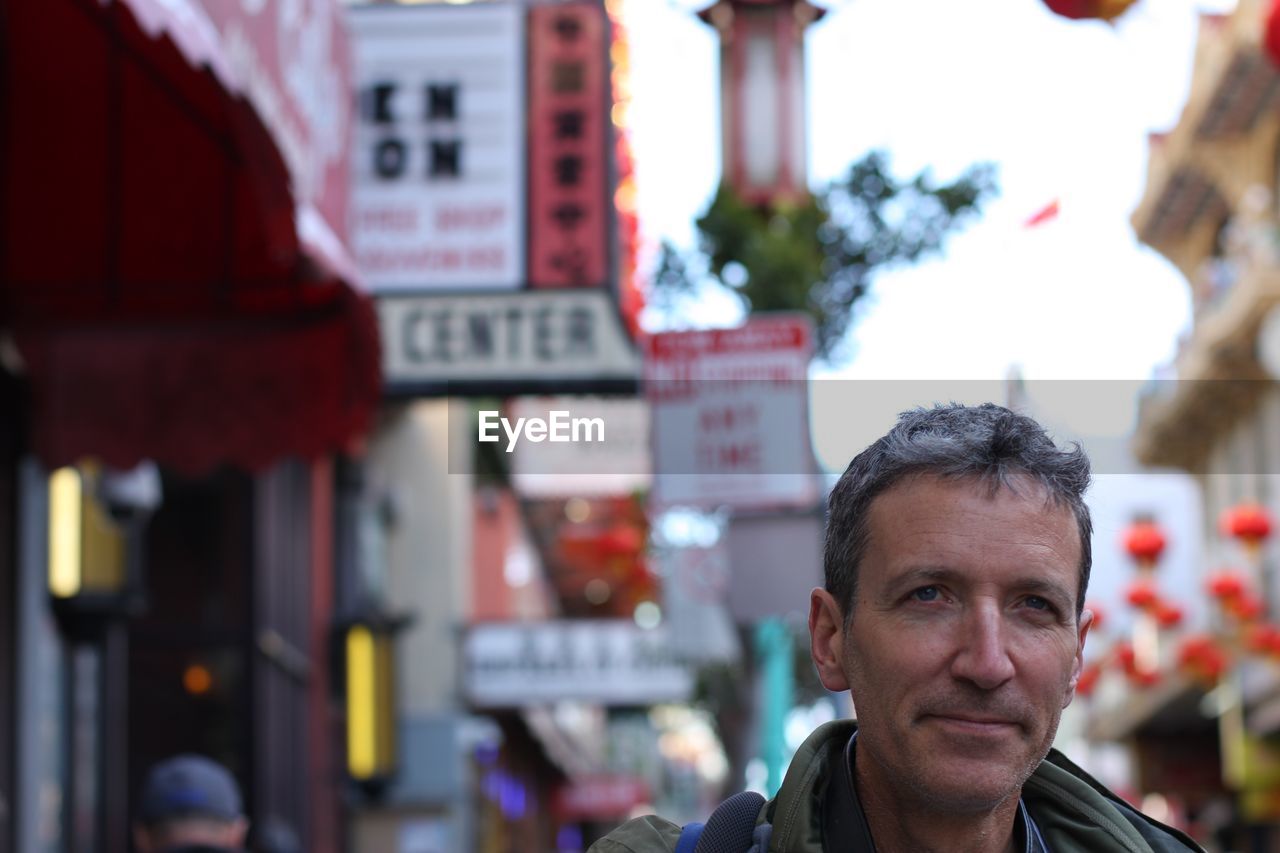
[(983, 657)]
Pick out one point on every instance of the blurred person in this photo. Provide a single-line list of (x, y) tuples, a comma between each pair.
[(189, 804), (956, 561), (274, 835)]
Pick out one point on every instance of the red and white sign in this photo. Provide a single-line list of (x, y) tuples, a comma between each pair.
[(600, 797), (730, 414), (568, 194)]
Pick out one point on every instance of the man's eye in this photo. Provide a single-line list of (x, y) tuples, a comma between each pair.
[(1035, 602), (926, 593)]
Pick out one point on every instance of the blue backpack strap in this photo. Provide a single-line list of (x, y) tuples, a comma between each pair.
[(731, 827), (689, 835)]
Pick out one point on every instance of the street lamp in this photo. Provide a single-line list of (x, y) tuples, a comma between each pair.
[(762, 95)]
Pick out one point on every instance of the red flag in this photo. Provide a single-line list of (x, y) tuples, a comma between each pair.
[(1040, 217)]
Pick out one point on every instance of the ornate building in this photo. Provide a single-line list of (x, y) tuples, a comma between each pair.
[(1210, 208)]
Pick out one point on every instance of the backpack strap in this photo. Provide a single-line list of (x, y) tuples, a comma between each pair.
[(689, 835), (731, 827)]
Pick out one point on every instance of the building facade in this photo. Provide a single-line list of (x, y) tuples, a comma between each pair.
[(187, 355), (1210, 208)]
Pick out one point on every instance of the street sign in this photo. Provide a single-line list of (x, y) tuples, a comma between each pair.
[(552, 340), (438, 163), (695, 587), (483, 218), (609, 662), (730, 414), (600, 797)]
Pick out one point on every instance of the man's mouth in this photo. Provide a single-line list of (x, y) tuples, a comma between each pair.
[(977, 724)]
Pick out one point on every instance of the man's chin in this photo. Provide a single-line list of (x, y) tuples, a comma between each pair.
[(965, 783), (968, 795)]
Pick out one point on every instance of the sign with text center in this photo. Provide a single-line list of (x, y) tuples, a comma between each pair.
[(504, 339)]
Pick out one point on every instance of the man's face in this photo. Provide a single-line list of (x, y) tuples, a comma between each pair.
[(963, 647), (207, 832)]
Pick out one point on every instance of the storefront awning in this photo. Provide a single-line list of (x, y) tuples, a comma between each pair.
[(173, 271)]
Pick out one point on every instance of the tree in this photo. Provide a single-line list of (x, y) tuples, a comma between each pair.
[(820, 255)]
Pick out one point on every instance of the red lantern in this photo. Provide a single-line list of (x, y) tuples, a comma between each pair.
[(1088, 679), (1076, 9), (1104, 10), (1126, 658), (1246, 607), (1271, 34), (1148, 678), (1168, 615), (1099, 614), (1226, 585), (620, 540), (1262, 638), (1144, 540), (1250, 523), (1142, 594), (1200, 657)]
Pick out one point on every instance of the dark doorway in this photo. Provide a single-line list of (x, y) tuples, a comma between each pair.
[(190, 653)]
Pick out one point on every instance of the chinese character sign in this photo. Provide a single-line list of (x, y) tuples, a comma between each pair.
[(568, 196)]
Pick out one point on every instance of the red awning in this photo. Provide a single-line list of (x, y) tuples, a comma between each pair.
[(170, 296)]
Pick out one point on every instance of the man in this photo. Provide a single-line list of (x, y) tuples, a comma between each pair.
[(956, 561), (189, 804)]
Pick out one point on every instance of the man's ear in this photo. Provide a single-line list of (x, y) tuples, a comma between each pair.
[(826, 639), (1077, 665)]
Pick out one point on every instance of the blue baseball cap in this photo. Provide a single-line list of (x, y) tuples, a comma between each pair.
[(188, 786)]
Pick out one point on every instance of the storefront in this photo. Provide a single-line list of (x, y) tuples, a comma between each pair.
[(178, 319)]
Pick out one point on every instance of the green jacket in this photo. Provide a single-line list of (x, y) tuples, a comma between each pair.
[(1073, 812)]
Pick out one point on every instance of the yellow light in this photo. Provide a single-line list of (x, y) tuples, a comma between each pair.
[(362, 735), (625, 196), (619, 115), (64, 532), (197, 680), (577, 510)]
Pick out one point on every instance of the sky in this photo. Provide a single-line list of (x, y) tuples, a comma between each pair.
[(1062, 107)]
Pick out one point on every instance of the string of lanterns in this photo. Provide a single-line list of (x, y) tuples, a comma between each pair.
[(1241, 628)]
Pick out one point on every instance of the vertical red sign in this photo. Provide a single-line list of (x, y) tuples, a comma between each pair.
[(568, 120)]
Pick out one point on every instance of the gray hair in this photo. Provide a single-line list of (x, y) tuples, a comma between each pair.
[(988, 443)]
